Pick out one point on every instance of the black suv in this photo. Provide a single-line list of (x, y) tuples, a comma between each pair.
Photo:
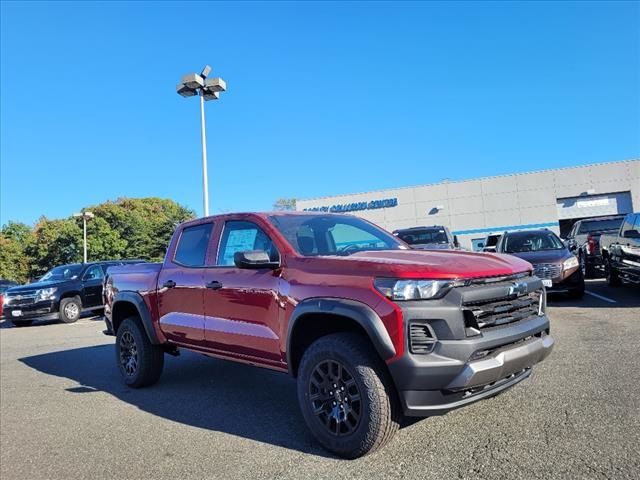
[(63, 293)]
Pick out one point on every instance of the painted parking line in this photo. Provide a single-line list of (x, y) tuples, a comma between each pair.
[(606, 299)]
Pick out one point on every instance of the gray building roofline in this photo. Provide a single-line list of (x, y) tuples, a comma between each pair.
[(470, 179)]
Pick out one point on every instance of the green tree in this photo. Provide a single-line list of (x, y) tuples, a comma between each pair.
[(282, 204), (14, 265), (54, 242), (17, 231), (146, 224)]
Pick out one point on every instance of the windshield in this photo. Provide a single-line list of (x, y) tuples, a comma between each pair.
[(313, 235), (519, 242), (428, 235), (600, 225), (64, 272)]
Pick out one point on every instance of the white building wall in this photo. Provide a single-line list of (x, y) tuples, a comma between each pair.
[(474, 208)]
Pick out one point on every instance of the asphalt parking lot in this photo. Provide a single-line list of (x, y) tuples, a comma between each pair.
[(64, 412)]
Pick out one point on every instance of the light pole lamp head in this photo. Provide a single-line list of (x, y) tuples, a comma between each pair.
[(205, 71), (185, 91), (209, 95), (193, 80), (89, 214), (215, 84)]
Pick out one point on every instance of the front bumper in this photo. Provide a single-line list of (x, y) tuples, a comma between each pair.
[(463, 369), (575, 281), (44, 310)]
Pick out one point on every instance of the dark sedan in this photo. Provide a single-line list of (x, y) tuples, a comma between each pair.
[(552, 261)]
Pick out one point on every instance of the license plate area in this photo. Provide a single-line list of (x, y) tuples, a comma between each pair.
[(16, 313), (547, 282)]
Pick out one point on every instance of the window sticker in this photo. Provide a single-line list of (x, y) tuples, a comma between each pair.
[(238, 241)]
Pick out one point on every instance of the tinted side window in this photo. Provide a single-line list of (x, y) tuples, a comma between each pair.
[(239, 236), (94, 273), (192, 246)]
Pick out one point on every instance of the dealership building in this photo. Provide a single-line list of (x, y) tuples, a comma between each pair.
[(472, 209)]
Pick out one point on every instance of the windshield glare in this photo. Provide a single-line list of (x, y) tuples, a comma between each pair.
[(65, 272), (417, 237), (532, 242), (313, 235)]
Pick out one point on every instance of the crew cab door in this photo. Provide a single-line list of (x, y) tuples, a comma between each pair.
[(92, 286), (241, 305), (181, 285)]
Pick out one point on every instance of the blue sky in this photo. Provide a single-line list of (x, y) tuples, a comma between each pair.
[(323, 98)]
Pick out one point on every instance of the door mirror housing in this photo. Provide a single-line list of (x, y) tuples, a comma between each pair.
[(631, 234), (456, 243), (254, 259)]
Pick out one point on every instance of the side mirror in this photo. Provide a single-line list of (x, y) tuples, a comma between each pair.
[(481, 245), (254, 259), (631, 234), (456, 243)]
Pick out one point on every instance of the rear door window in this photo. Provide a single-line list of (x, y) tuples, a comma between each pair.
[(192, 246), (94, 273)]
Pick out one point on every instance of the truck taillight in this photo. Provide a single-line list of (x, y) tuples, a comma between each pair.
[(591, 244)]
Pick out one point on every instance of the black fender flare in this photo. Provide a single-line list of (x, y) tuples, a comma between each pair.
[(362, 314), (143, 312)]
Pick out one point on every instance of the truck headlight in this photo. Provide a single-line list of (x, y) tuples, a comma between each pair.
[(396, 289), (570, 263), (45, 294)]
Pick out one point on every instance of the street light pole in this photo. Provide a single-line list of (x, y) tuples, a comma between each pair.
[(205, 175), (207, 89), (85, 216)]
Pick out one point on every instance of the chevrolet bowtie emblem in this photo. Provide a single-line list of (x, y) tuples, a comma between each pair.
[(518, 289)]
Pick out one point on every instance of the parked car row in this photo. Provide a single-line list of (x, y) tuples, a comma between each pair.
[(603, 244), (63, 293)]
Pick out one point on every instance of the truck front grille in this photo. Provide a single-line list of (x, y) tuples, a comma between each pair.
[(19, 299), (494, 313), (547, 270)]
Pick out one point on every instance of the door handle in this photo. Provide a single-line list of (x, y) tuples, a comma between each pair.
[(169, 284), (214, 285)]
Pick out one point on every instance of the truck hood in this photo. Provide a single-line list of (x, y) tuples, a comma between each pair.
[(544, 256), (449, 264), (37, 286), (431, 246)]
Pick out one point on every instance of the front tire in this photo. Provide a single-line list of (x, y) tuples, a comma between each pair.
[(140, 362), (613, 279), (346, 396), (70, 309)]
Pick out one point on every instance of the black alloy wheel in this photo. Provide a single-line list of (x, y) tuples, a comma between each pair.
[(335, 398), (128, 354)]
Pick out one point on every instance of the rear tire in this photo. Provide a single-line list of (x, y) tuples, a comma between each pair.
[(139, 361), (346, 395), (70, 309)]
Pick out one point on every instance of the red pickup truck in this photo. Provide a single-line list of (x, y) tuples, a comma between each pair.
[(370, 329)]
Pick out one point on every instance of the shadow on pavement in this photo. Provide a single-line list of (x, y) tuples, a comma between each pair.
[(202, 392)]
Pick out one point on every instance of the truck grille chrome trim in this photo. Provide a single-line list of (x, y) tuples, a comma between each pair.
[(547, 270)]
